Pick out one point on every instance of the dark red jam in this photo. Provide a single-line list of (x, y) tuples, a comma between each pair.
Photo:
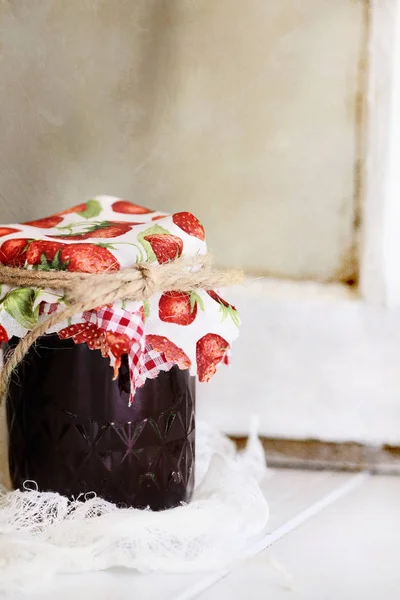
[(72, 431)]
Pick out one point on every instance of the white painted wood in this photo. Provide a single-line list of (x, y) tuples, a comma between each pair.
[(291, 492), (313, 361), (348, 551), (380, 250), (115, 584), (297, 497)]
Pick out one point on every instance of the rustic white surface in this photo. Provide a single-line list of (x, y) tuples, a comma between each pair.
[(313, 361), (348, 550), (334, 537)]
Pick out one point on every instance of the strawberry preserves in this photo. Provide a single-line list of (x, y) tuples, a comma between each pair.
[(72, 431)]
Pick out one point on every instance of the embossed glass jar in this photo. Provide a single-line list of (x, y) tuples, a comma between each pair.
[(104, 289), (72, 431)]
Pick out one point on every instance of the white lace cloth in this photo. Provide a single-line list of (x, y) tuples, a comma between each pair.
[(41, 534)]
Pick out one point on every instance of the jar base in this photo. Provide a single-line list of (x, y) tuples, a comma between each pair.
[(80, 436)]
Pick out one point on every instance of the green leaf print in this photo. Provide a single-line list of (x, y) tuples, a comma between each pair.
[(146, 309), (153, 230), (93, 209), (19, 304), (57, 263), (51, 265), (196, 299)]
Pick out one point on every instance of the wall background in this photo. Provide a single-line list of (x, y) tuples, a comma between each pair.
[(244, 113)]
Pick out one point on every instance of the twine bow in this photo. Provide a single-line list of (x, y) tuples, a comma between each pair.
[(85, 291)]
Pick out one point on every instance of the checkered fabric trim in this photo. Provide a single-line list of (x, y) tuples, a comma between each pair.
[(144, 362), (117, 320)]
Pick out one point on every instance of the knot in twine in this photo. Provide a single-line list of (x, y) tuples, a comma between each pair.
[(87, 291)]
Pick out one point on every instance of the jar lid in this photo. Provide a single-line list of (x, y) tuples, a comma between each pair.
[(191, 329)]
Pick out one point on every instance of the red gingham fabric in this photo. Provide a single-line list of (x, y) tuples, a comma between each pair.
[(144, 362)]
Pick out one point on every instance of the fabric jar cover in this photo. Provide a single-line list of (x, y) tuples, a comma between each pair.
[(193, 330)]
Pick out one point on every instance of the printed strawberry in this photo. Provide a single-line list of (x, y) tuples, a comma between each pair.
[(13, 252), (41, 251), (179, 307), (226, 309), (128, 208), (3, 334), (88, 258), (189, 223), (119, 344), (165, 246), (49, 309), (171, 352), (210, 350), (75, 209), (218, 299), (104, 229), (8, 231), (87, 333), (46, 223), (110, 229)]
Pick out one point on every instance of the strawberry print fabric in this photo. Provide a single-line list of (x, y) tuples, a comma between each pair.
[(192, 330)]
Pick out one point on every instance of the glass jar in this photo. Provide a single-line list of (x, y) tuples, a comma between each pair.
[(72, 431)]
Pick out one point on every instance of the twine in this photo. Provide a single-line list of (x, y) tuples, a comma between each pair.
[(85, 291)]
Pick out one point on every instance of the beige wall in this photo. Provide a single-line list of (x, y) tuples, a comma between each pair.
[(242, 112)]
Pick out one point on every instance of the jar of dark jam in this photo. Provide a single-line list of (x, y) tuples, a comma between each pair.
[(72, 431)]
